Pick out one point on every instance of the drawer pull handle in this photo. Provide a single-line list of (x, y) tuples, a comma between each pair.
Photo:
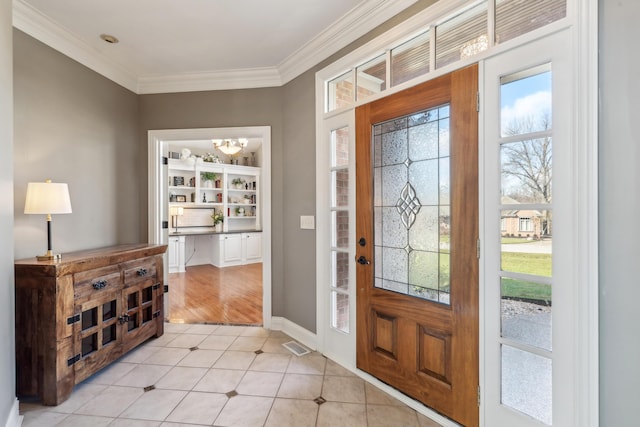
[(142, 272), (99, 284)]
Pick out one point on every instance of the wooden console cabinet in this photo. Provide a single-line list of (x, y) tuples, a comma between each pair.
[(77, 315)]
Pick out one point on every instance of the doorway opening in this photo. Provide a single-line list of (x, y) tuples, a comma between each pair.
[(217, 271)]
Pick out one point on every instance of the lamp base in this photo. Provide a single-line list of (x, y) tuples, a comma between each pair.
[(49, 256)]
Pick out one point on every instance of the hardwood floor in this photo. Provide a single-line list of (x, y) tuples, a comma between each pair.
[(208, 294)]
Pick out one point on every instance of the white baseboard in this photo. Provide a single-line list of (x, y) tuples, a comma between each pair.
[(14, 419), (295, 331)]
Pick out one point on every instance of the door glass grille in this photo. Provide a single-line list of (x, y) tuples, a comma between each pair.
[(412, 204)]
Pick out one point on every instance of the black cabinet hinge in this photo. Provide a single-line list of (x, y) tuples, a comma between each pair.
[(165, 224), (73, 319), (165, 160), (73, 360), (156, 314), (166, 288), (156, 286)]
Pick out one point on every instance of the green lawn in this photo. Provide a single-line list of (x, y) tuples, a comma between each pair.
[(536, 264), (514, 288)]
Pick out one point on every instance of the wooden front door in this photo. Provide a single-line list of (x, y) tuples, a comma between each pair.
[(417, 236)]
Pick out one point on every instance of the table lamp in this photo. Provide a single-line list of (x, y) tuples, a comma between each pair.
[(47, 198), (175, 212)]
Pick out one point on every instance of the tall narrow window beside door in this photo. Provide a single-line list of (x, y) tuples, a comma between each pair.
[(340, 229), (526, 278)]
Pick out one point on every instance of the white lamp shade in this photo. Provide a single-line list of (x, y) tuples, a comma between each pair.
[(176, 210), (47, 198)]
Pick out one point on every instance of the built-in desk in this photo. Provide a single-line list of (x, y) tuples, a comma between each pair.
[(206, 246)]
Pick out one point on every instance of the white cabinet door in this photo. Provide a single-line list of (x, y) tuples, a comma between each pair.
[(176, 254), (232, 249), (173, 254), (252, 247)]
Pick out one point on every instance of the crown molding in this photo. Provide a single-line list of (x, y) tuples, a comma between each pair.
[(361, 19), (40, 27), (357, 22), (216, 80)]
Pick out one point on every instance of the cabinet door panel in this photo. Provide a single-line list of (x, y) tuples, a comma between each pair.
[(232, 249), (253, 247), (140, 308), (97, 334)]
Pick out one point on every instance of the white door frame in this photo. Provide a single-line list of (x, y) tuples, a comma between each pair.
[(157, 190)]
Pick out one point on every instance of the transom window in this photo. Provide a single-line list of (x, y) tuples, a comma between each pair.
[(476, 27)]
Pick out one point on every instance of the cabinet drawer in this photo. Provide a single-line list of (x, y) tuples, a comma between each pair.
[(93, 282), (139, 270)]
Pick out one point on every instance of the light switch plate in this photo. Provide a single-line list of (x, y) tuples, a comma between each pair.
[(307, 222)]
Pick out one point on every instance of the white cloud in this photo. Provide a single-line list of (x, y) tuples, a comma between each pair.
[(530, 106)]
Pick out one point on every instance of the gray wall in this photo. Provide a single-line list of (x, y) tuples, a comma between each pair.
[(73, 125), (299, 124), (7, 335), (226, 108), (299, 199), (619, 157)]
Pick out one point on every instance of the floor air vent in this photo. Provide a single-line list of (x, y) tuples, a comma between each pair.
[(296, 348)]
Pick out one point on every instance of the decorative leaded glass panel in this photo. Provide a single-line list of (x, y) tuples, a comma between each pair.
[(411, 204)]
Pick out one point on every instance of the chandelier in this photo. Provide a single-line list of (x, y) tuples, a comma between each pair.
[(230, 146)]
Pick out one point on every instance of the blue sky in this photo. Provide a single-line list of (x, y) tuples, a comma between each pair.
[(510, 92), (529, 96)]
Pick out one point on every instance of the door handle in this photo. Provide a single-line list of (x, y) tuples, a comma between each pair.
[(363, 260)]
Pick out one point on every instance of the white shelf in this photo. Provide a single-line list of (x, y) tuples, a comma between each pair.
[(231, 197)]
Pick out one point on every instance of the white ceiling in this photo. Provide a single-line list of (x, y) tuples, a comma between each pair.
[(186, 45)]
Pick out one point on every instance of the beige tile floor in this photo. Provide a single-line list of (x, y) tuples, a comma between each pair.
[(214, 375)]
